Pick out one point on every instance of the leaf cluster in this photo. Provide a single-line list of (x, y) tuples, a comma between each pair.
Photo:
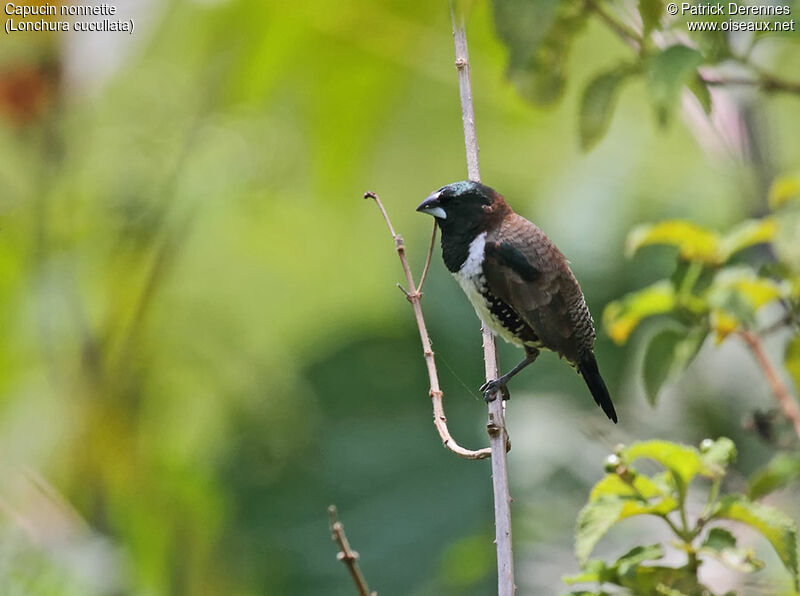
[(665, 56), (713, 290), (626, 492)]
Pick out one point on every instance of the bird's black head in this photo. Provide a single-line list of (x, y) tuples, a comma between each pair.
[(463, 210), (463, 207)]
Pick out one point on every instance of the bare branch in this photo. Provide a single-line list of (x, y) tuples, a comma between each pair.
[(786, 400), (346, 554), (414, 297), (496, 425)]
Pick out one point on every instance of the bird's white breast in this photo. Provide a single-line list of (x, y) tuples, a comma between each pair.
[(472, 280)]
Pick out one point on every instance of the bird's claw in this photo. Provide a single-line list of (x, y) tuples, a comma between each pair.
[(490, 388)]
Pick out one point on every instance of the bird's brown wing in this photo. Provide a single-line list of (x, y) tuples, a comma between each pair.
[(525, 269)]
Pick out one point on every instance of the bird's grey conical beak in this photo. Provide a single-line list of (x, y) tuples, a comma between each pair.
[(431, 206)]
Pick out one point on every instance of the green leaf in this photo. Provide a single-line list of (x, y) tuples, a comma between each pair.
[(539, 36), (650, 11), (667, 354), (611, 485), (775, 526), (598, 516), (780, 472), (699, 89), (621, 317), (740, 293), (694, 242), (683, 461), (784, 190), (721, 545), (657, 362), (638, 555), (594, 571), (655, 579), (597, 104), (747, 234), (791, 360), (669, 70), (786, 246)]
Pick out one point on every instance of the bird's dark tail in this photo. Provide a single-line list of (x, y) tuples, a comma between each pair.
[(588, 369)]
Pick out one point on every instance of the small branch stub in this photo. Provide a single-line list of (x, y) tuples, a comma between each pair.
[(346, 554)]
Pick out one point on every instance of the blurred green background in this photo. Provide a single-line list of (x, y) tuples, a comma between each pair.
[(202, 344)]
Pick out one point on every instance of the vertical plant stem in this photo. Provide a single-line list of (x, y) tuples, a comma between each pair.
[(496, 425)]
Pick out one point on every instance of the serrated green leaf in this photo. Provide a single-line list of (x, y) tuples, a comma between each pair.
[(781, 471), (791, 360), (784, 190), (611, 485), (621, 317), (636, 556), (650, 11), (597, 104), (694, 242), (747, 234), (668, 71), (683, 461), (721, 545), (597, 517), (775, 526)]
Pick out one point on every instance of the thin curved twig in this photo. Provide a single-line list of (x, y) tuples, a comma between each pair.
[(414, 297), (428, 258)]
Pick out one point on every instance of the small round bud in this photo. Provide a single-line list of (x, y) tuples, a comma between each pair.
[(619, 448), (705, 445), (611, 464)]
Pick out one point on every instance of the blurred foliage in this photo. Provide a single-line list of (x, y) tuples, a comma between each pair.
[(709, 292), (625, 492), (540, 34), (202, 344)]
